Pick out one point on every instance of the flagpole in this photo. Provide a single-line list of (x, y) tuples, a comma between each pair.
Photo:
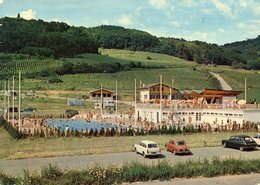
[(101, 97), (171, 91), (19, 100), (135, 102), (116, 97), (245, 89), (13, 101), (160, 98), (8, 100), (4, 99)]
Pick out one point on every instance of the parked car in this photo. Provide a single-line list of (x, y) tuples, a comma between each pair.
[(147, 148), (178, 147), (256, 138), (240, 142)]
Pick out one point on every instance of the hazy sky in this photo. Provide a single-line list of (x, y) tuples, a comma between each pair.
[(214, 21)]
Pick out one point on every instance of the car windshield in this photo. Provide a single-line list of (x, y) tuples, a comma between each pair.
[(152, 145), (180, 143), (246, 139)]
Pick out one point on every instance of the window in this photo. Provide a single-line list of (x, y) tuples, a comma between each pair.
[(153, 145), (198, 116)]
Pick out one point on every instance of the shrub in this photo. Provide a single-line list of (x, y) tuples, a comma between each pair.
[(55, 80), (51, 172), (10, 129), (70, 113)]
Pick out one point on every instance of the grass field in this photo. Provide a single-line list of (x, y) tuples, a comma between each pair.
[(186, 75), (33, 148)]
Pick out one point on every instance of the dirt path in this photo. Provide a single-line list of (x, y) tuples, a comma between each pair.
[(222, 82)]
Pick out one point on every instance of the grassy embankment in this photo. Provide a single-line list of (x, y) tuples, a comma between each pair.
[(36, 147), (134, 172)]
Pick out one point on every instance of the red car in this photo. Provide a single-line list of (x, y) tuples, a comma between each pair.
[(178, 147)]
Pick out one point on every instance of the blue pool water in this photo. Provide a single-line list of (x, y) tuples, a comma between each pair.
[(78, 124)]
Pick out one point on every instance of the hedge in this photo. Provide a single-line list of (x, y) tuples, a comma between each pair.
[(10, 129)]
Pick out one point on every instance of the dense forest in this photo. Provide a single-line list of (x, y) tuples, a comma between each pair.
[(55, 39), (250, 49), (36, 37)]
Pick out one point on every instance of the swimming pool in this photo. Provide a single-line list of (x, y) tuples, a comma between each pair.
[(79, 124)]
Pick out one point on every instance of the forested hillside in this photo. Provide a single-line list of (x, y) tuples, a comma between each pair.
[(116, 37), (49, 39), (250, 49), (54, 39)]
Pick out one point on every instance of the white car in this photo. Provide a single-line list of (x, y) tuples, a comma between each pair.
[(147, 148), (256, 138)]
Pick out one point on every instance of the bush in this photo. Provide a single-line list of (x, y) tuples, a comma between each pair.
[(70, 113), (10, 129), (55, 80)]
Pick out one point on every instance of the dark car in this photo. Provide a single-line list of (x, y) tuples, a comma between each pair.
[(240, 142)]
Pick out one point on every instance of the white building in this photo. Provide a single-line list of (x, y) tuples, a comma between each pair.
[(206, 106)]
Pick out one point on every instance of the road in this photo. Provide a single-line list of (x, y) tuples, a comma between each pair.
[(15, 167), (222, 82)]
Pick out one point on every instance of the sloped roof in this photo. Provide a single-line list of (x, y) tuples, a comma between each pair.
[(103, 89), (191, 91), (212, 92), (155, 84)]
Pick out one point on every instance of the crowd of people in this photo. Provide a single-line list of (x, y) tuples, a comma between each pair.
[(37, 125)]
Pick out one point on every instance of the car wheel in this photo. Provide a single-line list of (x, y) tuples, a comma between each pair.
[(241, 148), (225, 145)]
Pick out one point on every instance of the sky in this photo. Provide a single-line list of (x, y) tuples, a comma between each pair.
[(212, 21)]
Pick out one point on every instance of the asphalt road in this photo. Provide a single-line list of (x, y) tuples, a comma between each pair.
[(15, 167)]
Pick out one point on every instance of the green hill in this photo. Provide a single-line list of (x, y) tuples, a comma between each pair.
[(57, 40), (51, 96), (250, 49)]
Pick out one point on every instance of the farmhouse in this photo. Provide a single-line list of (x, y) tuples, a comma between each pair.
[(96, 94), (107, 101), (151, 92)]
